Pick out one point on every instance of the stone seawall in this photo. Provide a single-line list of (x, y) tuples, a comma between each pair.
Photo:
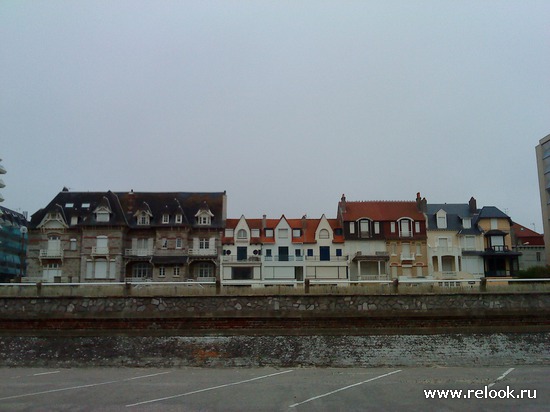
[(486, 304), (279, 351)]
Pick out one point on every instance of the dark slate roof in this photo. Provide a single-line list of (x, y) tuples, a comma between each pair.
[(455, 213), (82, 206), (125, 205), (12, 216), (490, 212)]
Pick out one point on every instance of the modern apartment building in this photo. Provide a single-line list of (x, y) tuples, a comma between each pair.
[(13, 244), (543, 166)]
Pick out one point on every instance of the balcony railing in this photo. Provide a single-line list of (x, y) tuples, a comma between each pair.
[(248, 259), (441, 250), (407, 256), (405, 233), (139, 252), (333, 258), (203, 252), (499, 248), (51, 254), (100, 250), (283, 258)]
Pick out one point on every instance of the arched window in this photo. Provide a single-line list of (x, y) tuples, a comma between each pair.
[(324, 234), (241, 234)]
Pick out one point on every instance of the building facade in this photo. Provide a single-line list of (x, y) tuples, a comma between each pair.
[(139, 236), (531, 246), (384, 239)]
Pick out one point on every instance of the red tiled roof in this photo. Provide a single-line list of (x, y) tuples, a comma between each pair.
[(527, 235), (381, 210)]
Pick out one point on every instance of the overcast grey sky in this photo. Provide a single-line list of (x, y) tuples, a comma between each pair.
[(284, 104)]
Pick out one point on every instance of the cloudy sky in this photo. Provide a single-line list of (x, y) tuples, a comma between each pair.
[(286, 105)]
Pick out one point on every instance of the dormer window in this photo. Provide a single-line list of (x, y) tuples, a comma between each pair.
[(241, 234), (102, 216), (203, 220), (467, 223), (364, 228), (179, 218), (324, 234), (255, 232), (143, 219), (441, 219), (165, 218), (229, 232)]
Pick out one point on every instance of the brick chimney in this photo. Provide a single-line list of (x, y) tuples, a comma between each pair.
[(264, 221), (473, 205)]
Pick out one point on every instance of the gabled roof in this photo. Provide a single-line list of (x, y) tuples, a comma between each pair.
[(307, 229), (524, 235), (380, 210), (492, 212)]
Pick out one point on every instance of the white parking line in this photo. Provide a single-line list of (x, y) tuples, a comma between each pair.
[(147, 376), (78, 387), (343, 389), (208, 389), (45, 373), (500, 377)]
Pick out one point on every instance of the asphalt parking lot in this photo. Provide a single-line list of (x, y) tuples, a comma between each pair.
[(270, 389)]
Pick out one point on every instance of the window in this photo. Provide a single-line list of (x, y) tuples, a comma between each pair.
[(204, 270), (419, 249), (469, 242), (241, 234), (162, 271), (177, 271), (255, 232), (69, 204), (352, 228), (393, 248), (296, 233), (179, 218), (85, 205), (417, 227), (494, 224), (467, 223), (268, 253), (324, 234), (74, 220), (310, 252), (364, 228), (405, 228), (298, 253), (538, 257), (165, 218), (204, 243), (203, 219), (229, 232), (282, 233), (269, 233), (339, 252), (164, 243), (102, 216), (377, 227), (143, 219), (392, 227), (141, 270), (441, 221), (179, 243), (73, 244)]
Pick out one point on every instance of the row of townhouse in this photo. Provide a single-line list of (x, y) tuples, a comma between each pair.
[(107, 236)]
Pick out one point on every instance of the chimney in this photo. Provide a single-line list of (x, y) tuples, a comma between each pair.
[(264, 221), (304, 222), (343, 204), (473, 205)]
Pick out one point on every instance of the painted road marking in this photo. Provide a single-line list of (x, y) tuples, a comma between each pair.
[(500, 377), (208, 389), (343, 389), (78, 387), (147, 376), (45, 373)]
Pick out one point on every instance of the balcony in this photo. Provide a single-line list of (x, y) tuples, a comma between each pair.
[(407, 256), (100, 250), (332, 258), (139, 252), (284, 258), (51, 254), (405, 233)]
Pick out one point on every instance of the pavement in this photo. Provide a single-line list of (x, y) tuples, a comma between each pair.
[(505, 388)]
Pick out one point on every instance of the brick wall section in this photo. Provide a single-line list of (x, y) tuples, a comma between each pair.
[(280, 306)]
